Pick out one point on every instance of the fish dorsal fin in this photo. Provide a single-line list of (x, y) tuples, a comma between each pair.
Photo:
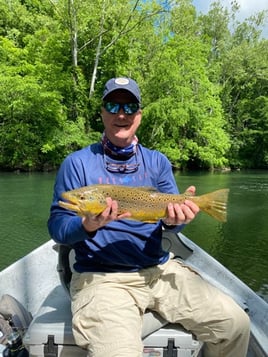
[(147, 188), (188, 194)]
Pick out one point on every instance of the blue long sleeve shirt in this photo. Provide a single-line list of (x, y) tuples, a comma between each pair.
[(122, 245)]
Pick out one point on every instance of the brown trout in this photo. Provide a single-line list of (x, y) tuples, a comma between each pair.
[(144, 203)]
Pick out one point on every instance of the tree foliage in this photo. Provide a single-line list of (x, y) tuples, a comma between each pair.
[(203, 79)]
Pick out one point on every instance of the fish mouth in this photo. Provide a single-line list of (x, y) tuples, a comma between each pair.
[(70, 206), (70, 203)]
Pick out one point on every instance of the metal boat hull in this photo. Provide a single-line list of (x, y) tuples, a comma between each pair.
[(34, 278)]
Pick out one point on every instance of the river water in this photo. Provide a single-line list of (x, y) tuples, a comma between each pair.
[(241, 244)]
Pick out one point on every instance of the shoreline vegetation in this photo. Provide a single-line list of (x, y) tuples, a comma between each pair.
[(204, 87)]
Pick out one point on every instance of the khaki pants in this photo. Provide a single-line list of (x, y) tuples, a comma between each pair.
[(108, 308)]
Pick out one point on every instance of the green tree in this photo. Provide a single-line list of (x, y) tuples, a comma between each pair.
[(245, 91), (238, 65), (183, 116), (202, 83), (33, 114)]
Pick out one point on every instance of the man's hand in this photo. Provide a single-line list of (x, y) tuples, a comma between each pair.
[(92, 223), (181, 213)]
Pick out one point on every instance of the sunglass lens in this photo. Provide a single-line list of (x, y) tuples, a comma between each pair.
[(112, 107), (131, 108)]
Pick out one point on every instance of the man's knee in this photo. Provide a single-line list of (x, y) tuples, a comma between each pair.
[(232, 336), (241, 323), (238, 321)]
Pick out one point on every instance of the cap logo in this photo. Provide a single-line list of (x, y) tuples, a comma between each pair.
[(121, 81)]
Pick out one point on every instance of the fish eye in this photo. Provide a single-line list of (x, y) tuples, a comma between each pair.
[(84, 197)]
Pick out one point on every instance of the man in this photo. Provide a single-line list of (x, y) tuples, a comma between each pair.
[(121, 269)]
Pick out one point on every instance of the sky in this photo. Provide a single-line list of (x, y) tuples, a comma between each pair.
[(247, 8)]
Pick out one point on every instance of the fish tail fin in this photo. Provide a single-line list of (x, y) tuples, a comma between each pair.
[(215, 204)]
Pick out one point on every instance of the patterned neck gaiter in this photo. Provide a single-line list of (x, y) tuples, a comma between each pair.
[(117, 152)]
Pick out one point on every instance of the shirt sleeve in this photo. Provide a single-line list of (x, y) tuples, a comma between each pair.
[(65, 226), (165, 179)]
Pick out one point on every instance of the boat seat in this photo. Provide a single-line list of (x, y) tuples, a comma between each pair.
[(50, 333)]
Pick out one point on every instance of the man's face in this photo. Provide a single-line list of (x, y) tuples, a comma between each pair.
[(120, 128)]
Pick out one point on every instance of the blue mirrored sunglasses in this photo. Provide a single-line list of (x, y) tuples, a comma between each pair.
[(128, 108), (121, 168)]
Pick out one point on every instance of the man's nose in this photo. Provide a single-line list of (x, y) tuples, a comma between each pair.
[(121, 113)]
